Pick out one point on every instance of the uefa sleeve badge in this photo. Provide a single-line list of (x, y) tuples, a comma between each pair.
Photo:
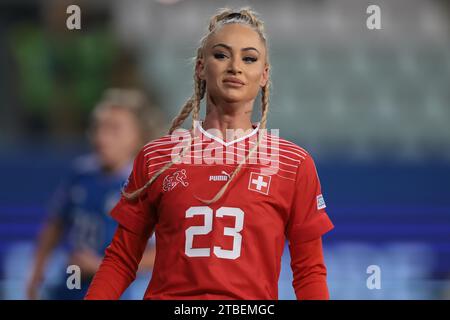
[(320, 202)]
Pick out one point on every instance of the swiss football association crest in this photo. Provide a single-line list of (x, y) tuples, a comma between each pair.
[(259, 183), (172, 180)]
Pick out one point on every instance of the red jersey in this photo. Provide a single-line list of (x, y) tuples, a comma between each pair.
[(230, 249)]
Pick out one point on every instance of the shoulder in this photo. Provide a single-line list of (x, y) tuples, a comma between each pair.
[(287, 148), (292, 157), (158, 152), (163, 145), (81, 172), (84, 166)]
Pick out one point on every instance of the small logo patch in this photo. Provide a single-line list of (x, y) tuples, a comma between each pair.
[(172, 180), (224, 177), (320, 202), (259, 183)]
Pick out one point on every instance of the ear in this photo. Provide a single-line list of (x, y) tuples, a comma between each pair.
[(265, 76), (200, 69)]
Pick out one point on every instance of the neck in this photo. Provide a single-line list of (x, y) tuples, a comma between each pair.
[(223, 116)]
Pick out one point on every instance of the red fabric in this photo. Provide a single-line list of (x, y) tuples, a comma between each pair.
[(308, 221), (122, 257), (118, 268), (230, 249), (309, 270)]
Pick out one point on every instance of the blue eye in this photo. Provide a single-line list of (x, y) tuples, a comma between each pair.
[(219, 55), (250, 59)]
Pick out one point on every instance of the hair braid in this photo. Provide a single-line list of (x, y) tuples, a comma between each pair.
[(200, 88)]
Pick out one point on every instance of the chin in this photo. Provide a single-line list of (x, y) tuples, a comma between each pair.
[(232, 98)]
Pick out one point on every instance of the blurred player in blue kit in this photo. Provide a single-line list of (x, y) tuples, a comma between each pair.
[(79, 212)]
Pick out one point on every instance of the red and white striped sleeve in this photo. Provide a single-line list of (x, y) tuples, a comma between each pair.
[(308, 221)]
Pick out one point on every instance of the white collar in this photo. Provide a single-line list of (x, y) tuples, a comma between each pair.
[(199, 125)]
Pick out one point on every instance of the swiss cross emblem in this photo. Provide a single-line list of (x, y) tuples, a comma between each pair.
[(259, 183)]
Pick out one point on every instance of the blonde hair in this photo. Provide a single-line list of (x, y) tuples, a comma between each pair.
[(224, 16), (136, 102)]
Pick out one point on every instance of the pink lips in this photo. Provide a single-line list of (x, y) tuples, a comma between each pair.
[(233, 81)]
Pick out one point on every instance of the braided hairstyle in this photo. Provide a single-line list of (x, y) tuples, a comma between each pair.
[(224, 16)]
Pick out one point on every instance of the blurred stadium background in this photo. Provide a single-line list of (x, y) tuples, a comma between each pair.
[(372, 106)]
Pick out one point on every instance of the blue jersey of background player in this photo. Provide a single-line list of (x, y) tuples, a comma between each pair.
[(79, 215), (81, 209)]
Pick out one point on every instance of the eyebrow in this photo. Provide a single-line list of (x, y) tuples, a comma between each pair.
[(229, 48)]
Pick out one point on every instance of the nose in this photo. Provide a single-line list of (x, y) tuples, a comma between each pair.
[(234, 66)]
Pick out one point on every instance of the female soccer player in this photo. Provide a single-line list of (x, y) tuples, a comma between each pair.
[(221, 224)]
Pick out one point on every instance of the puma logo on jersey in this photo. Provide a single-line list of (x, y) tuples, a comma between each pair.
[(224, 177), (172, 180)]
